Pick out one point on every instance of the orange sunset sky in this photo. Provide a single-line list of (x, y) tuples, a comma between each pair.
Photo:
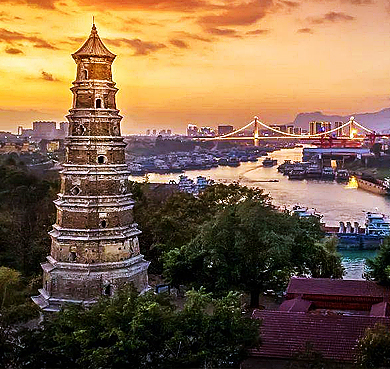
[(202, 61)]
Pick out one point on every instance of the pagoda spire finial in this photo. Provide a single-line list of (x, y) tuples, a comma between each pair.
[(94, 30)]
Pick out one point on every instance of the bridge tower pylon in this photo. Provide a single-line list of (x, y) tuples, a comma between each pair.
[(256, 132)]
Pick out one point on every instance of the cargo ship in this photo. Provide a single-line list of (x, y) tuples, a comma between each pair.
[(373, 185)]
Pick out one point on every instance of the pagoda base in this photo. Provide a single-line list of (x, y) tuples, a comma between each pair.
[(74, 283)]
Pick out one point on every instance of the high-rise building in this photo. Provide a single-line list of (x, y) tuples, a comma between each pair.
[(340, 131), (225, 129), (318, 127), (206, 131), (64, 129), (192, 130), (45, 130), (326, 126), (282, 128), (297, 131), (95, 247)]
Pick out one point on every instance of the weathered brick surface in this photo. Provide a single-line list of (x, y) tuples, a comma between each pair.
[(95, 247)]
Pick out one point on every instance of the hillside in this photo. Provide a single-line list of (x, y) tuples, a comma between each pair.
[(378, 121)]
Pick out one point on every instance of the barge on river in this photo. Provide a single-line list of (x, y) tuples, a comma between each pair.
[(373, 185), (377, 228)]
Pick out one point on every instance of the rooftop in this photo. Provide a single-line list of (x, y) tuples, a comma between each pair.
[(285, 333), (94, 46), (336, 287)]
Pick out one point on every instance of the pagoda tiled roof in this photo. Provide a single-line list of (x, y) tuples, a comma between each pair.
[(285, 334), (94, 47)]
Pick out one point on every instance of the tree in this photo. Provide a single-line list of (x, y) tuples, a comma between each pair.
[(374, 348), (376, 149), (143, 332), (378, 268), (15, 307), (252, 247), (170, 222), (26, 215), (8, 278)]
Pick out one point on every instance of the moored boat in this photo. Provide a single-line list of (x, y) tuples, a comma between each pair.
[(342, 175), (328, 173), (304, 212), (269, 162), (313, 172), (297, 173), (371, 186)]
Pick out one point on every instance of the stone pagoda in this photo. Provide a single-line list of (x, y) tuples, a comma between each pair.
[(95, 247)]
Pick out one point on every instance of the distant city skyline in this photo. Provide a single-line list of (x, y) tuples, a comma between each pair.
[(207, 62)]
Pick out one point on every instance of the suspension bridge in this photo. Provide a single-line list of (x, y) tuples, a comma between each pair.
[(348, 134)]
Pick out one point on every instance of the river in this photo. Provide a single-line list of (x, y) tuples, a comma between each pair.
[(335, 201)]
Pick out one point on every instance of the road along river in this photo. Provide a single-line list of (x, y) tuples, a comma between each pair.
[(335, 201)]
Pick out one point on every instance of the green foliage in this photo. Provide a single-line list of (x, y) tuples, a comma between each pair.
[(378, 268), (15, 308), (170, 222), (143, 332), (252, 247), (325, 261), (8, 278), (374, 348), (26, 215)]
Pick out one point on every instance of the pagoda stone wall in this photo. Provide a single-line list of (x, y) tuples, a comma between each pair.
[(95, 248)]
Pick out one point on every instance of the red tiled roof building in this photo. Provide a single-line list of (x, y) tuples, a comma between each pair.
[(329, 315)]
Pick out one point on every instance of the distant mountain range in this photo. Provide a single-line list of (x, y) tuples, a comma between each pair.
[(378, 121)]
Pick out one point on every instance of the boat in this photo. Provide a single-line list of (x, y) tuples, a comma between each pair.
[(233, 162), (372, 185), (353, 237), (136, 169), (328, 173), (377, 225), (223, 162), (284, 167), (269, 162), (342, 175), (314, 172), (304, 212), (297, 173)]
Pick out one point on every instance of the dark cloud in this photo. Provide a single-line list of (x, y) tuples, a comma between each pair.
[(11, 37), (238, 15), (45, 4), (305, 30), (13, 51), (290, 4), (228, 32), (258, 32), (48, 77), (193, 36), (179, 43), (140, 47), (168, 5), (359, 2), (332, 17)]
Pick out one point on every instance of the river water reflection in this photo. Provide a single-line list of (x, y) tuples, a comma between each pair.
[(335, 201)]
